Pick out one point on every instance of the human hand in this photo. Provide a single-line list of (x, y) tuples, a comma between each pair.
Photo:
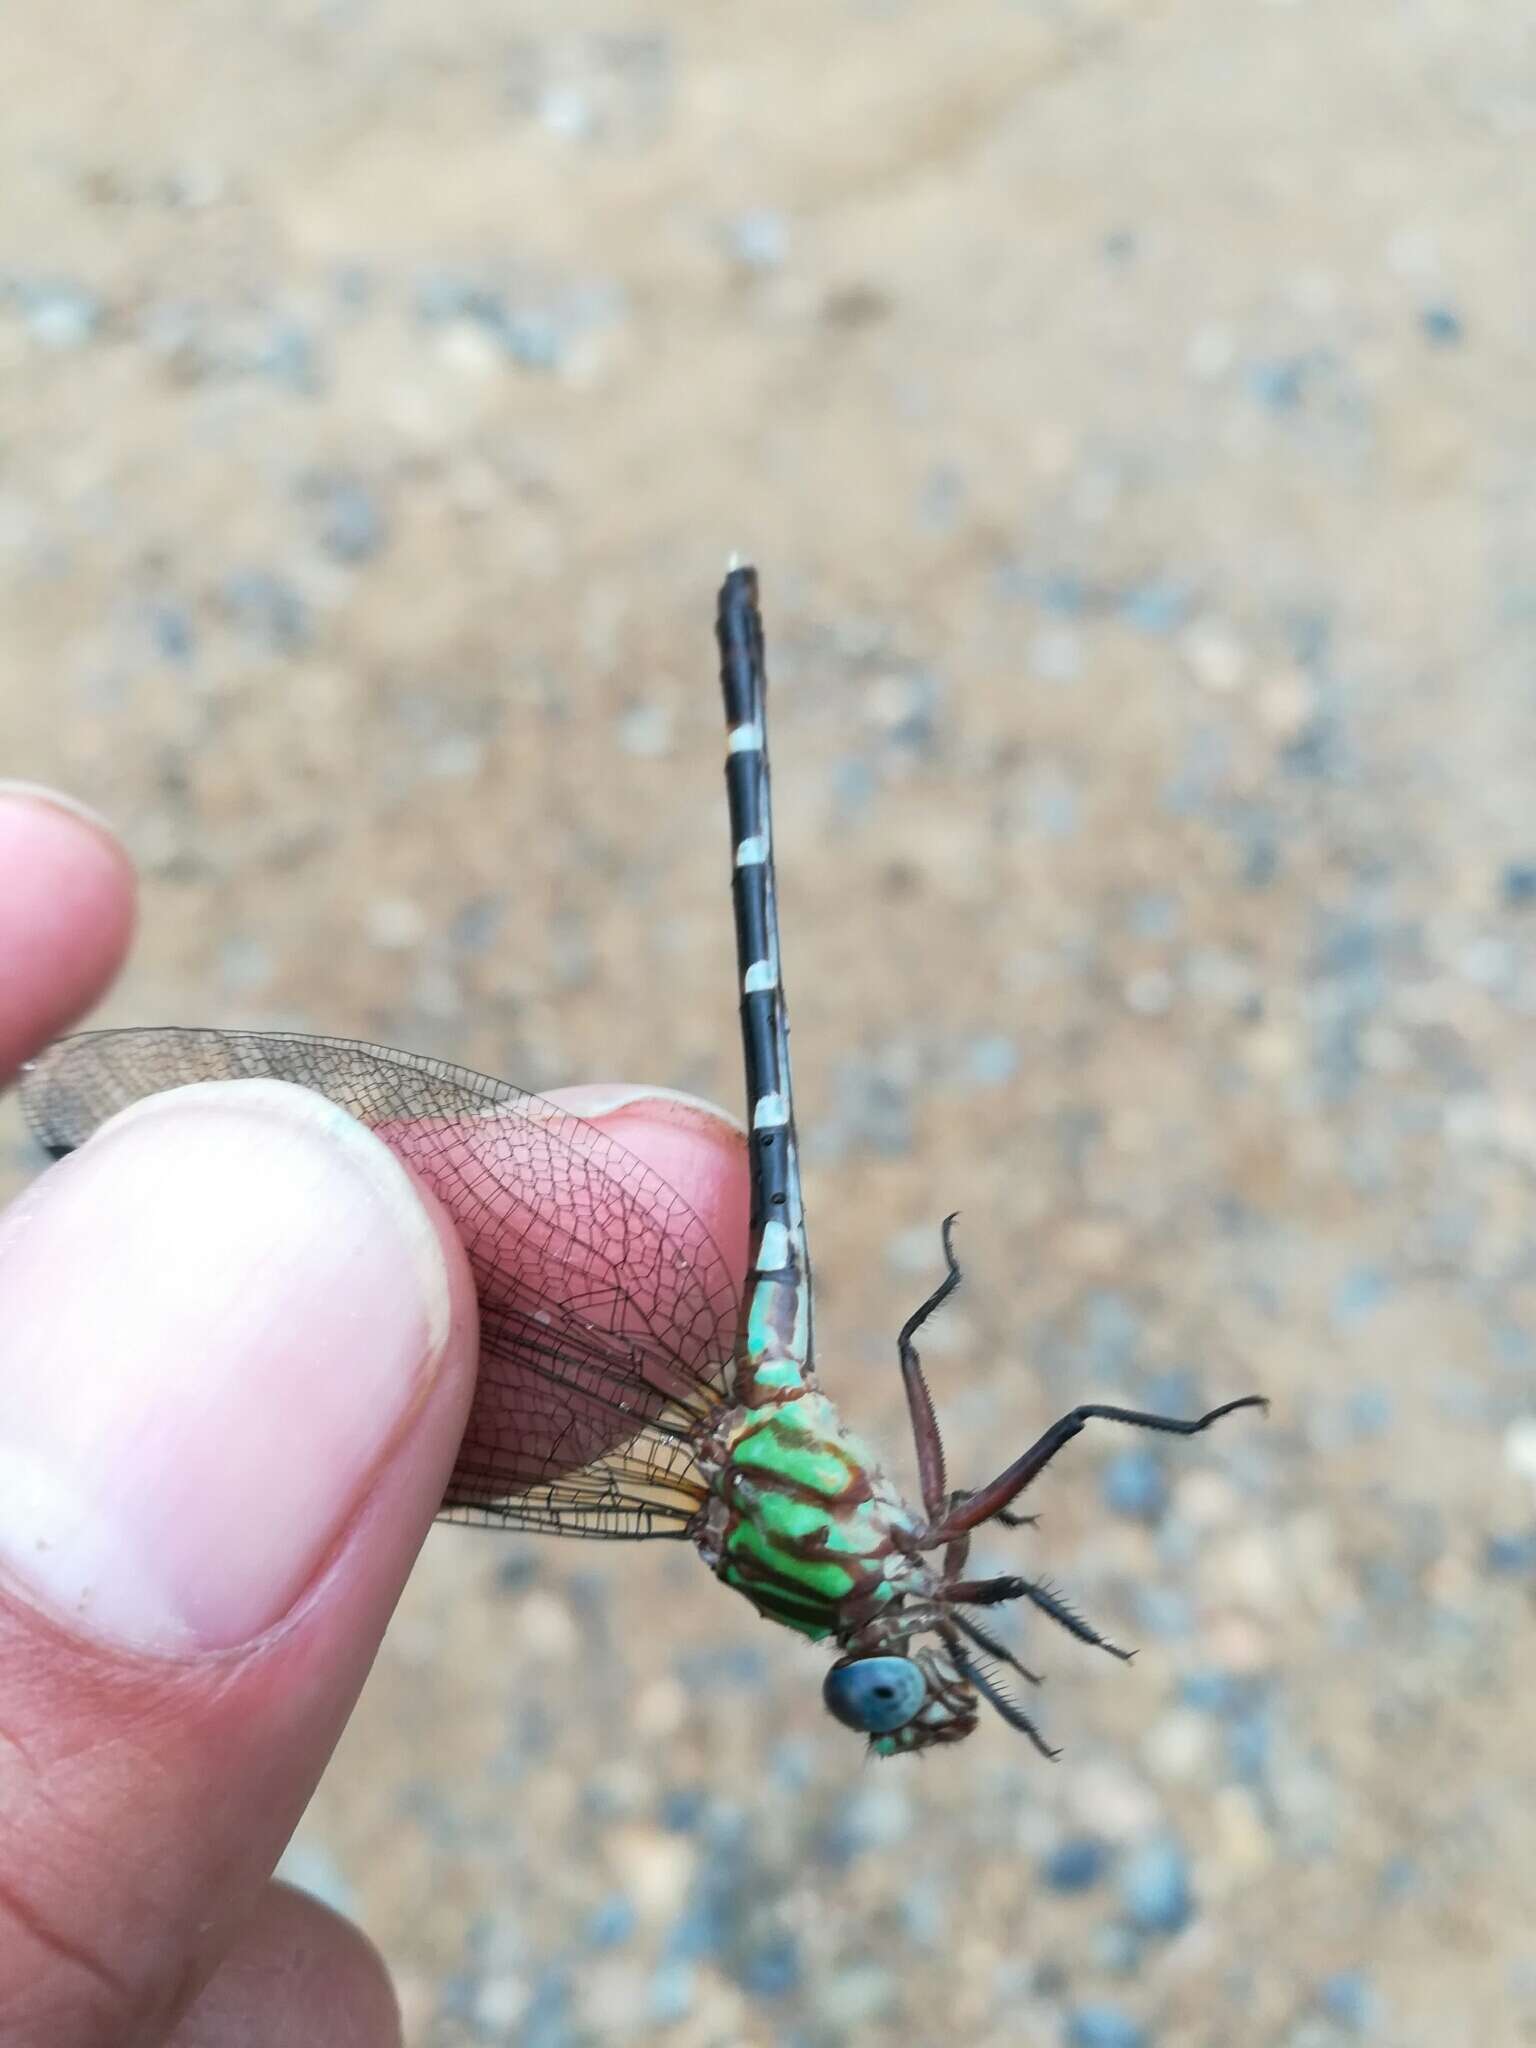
[(237, 1346)]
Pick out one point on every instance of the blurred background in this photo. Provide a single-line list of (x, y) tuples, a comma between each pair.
[(1128, 403)]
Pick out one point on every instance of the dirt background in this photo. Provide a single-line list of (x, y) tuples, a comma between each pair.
[(1130, 409)]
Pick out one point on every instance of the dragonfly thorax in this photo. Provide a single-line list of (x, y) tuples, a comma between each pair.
[(803, 1521)]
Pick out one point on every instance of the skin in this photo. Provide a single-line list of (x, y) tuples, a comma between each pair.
[(148, 1795)]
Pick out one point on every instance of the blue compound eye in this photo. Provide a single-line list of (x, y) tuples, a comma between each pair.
[(874, 1694)]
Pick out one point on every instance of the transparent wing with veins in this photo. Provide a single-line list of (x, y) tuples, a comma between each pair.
[(607, 1315)]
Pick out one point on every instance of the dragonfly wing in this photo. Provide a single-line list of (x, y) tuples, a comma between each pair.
[(607, 1314)]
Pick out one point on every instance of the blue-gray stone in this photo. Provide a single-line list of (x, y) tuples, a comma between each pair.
[(1112, 1330), (683, 1809), (476, 924), (1512, 1556), (758, 238), (546, 2021), (1064, 594), (267, 608), (1155, 1891), (1075, 1865), (351, 521), (1156, 607), (1517, 885), (699, 1931), (772, 1968), (1103, 2026), (992, 1059), (1135, 1484), (1164, 1611), (289, 357), (673, 1989), (1250, 1740), (1278, 386), (611, 1923), (1362, 1290), (1316, 753), (1369, 1410), (171, 630), (1212, 1691), (60, 314), (1349, 1999), (1442, 326), (1154, 914), (923, 1911)]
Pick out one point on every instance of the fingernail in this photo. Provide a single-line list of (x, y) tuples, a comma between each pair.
[(214, 1319), (594, 1099), (55, 799)]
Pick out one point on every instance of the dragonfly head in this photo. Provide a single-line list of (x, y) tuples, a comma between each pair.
[(901, 1703)]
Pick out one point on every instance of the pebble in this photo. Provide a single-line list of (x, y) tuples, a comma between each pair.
[(350, 520), (171, 630), (1075, 1865), (1166, 1612), (1156, 607), (1112, 1333), (992, 1060), (611, 1923), (671, 1994), (288, 355), (1154, 1886), (1441, 326), (772, 1969), (1135, 1484), (1513, 1556), (758, 238), (266, 608), (1103, 2026), (60, 315), (1349, 1998)]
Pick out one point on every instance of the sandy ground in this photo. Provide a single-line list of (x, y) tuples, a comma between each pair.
[(1129, 406)]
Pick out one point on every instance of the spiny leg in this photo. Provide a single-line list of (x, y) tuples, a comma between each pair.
[(1012, 1713), (925, 1424), (985, 1640), (985, 1502), (992, 1592)]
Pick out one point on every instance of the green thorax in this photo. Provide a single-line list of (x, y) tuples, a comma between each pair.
[(801, 1519)]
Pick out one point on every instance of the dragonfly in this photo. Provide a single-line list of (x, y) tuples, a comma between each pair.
[(626, 1387)]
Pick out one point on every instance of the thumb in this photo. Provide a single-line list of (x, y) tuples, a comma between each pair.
[(237, 1346)]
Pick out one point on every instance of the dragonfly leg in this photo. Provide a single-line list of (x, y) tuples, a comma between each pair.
[(972, 1509), (1051, 1603), (994, 1695), (992, 1592), (925, 1424), (985, 1640)]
